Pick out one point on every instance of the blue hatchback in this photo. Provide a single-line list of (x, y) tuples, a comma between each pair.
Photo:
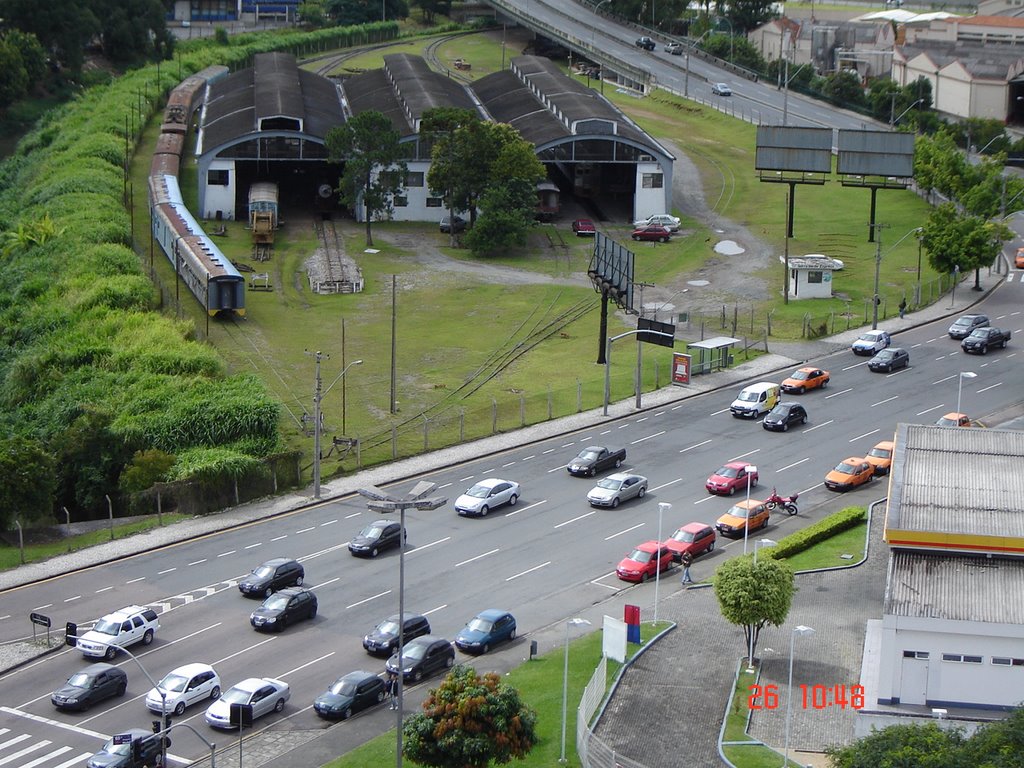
[(485, 629)]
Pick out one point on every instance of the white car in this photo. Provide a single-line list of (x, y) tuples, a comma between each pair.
[(871, 343), (183, 687), (264, 694), (132, 624), (669, 222), (721, 89), (487, 495), (617, 488)]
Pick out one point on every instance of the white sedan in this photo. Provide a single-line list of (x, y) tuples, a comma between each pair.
[(871, 343), (183, 687), (487, 495), (666, 220), (263, 694), (617, 488)]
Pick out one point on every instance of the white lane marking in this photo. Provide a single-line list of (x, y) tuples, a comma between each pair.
[(445, 485), (659, 413), (588, 514), (325, 583), (744, 455), (196, 562), (621, 426), (706, 498), (14, 740), (72, 599), (855, 365), (421, 547), (55, 723), (840, 392), (509, 464), (517, 510), (80, 758), (368, 599), (794, 464), (549, 450), (435, 610), (718, 413), (347, 517), (567, 445), (169, 570), (887, 400), (329, 522), (818, 426), (860, 437), (644, 418), (133, 581), (253, 546), (945, 379), (49, 756), (26, 751), (306, 530), (531, 456), (666, 485), (40, 607), (896, 373), (642, 439), (915, 346), (225, 554), (599, 583), (478, 557), (677, 407), (560, 466), (933, 408), (466, 479), (638, 525), (278, 538), (529, 570), (308, 664), (103, 589), (986, 389), (690, 448)]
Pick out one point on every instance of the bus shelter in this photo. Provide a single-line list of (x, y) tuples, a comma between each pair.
[(713, 354)]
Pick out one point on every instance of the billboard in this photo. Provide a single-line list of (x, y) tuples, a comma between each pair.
[(611, 267), (790, 148), (876, 153)]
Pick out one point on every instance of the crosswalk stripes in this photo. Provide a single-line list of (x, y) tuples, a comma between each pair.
[(18, 758)]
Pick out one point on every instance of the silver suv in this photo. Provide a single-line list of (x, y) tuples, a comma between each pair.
[(130, 625), (962, 328)]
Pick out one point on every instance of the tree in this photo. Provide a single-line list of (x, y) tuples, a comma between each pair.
[(15, 82), (449, 173), (844, 88), (374, 173), (752, 596), (432, 8), (353, 12), (90, 458), (470, 722), (747, 15), (146, 468), (65, 28), (33, 57), (30, 481), (999, 744), (961, 241), (920, 746)]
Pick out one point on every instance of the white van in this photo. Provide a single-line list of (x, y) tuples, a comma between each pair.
[(754, 400)]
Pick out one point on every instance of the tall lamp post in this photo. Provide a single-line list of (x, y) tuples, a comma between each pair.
[(960, 385), (382, 501), (758, 543), (318, 397), (574, 622), (803, 632), (917, 287), (663, 506), (750, 469)]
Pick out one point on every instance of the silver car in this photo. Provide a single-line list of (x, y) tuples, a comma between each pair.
[(666, 220), (622, 486), (487, 495), (264, 694)]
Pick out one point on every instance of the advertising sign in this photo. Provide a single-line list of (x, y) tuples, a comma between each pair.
[(680, 368)]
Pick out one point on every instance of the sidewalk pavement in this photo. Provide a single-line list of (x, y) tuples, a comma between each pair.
[(782, 356)]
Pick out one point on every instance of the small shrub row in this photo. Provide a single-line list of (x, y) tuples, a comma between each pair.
[(835, 523)]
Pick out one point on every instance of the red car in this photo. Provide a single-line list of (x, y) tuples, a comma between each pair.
[(640, 564), (695, 538), (653, 233), (584, 228), (730, 478)]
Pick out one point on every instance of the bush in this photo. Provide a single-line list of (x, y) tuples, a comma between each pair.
[(816, 532)]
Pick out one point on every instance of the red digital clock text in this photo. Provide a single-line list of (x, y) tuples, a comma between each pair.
[(811, 696)]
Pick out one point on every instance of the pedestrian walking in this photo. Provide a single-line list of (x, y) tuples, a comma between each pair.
[(687, 559), (391, 687), (903, 307)]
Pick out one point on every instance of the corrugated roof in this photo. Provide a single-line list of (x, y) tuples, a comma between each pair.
[(929, 585), (988, 21), (373, 91), (984, 61), (277, 91)]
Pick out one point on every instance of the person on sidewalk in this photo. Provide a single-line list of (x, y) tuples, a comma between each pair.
[(391, 688), (903, 307), (687, 560)]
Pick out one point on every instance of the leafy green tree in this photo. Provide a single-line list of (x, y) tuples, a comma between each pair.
[(998, 744), (752, 596), (14, 83), (747, 15), (353, 12), (145, 469), (33, 57), (843, 88), (955, 240), (29, 481), (903, 746), (737, 50), (450, 168), (132, 31), (470, 722), (433, 8), (89, 462), (374, 173), (65, 27), (313, 14)]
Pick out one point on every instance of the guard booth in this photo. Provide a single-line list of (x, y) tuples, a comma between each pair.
[(713, 354)]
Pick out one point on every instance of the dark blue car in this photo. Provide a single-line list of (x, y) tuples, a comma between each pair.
[(485, 630)]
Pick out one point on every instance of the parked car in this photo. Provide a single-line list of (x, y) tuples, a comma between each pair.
[(889, 360), (849, 473), (119, 755), (182, 687), (805, 379), (666, 220), (871, 342), (616, 488), (485, 630), (128, 626), (446, 226), (383, 640), (90, 686), (783, 416), (1018, 260), (695, 538), (880, 457), (487, 495), (376, 537), (644, 562), (676, 49), (584, 228), (271, 576), (721, 89), (982, 339), (743, 516), (594, 459), (349, 694), (653, 233), (422, 657), (730, 478), (965, 324), (264, 694), (954, 420), (283, 608), (646, 43)]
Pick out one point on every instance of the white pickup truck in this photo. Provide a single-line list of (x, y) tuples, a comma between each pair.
[(130, 625)]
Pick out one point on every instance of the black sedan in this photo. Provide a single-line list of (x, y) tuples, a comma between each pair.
[(889, 360), (284, 608), (384, 637), (423, 656), (90, 686), (272, 576), (350, 694), (783, 416), (375, 537)]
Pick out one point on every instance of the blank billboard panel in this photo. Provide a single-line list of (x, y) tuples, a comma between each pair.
[(613, 264), (787, 148), (876, 153)]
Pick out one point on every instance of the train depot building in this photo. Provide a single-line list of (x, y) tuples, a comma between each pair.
[(269, 123)]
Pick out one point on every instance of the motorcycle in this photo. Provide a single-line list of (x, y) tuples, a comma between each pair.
[(775, 501)]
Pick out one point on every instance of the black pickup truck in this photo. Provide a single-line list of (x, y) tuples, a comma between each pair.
[(981, 339), (595, 459)]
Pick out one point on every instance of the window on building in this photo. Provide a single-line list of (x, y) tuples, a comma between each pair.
[(814, 276), (435, 202), (414, 179), (915, 654), (218, 178), (1006, 661), (401, 201), (962, 658), (653, 180)]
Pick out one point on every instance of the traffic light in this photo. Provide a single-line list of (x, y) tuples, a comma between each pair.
[(156, 726), (137, 751), (71, 634)]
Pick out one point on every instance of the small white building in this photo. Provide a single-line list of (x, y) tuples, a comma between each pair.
[(810, 276)]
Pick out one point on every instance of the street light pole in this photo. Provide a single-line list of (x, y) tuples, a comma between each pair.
[(663, 506), (565, 681), (960, 385), (917, 288), (803, 632), (762, 543), (750, 469)]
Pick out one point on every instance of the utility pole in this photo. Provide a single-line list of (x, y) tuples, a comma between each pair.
[(318, 356), (878, 267), (785, 277), (394, 311)]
